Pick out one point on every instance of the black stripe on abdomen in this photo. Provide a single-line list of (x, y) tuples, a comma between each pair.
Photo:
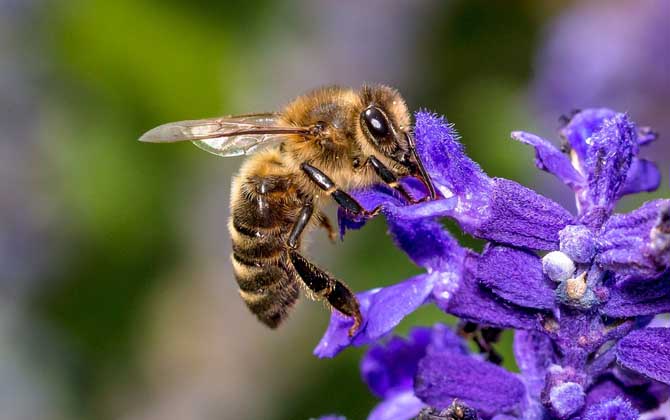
[(269, 291)]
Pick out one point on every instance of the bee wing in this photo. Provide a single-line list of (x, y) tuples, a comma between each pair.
[(226, 136)]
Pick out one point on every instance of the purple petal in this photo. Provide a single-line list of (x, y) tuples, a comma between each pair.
[(369, 198), (382, 309), (516, 276), (647, 351), (608, 158), (453, 173), (643, 397), (336, 338), (393, 206), (382, 195), (646, 135), (425, 241), (534, 353), (616, 409), (450, 169), (583, 126), (521, 217), (488, 388), (637, 244), (515, 215), (443, 339), (390, 368), (472, 302), (643, 176), (400, 406), (413, 228), (605, 359), (655, 394), (494, 209), (393, 303), (637, 298), (442, 207), (346, 222), (550, 159)]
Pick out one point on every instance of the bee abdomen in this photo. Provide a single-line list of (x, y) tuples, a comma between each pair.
[(258, 247), (259, 225), (268, 291), (256, 278)]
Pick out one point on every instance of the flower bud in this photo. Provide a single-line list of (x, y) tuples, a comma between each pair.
[(566, 399), (577, 242), (558, 266)]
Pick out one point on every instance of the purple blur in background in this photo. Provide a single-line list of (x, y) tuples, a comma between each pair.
[(609, 53)]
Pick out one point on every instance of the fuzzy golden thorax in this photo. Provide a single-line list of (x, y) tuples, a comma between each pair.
[(343, 143)]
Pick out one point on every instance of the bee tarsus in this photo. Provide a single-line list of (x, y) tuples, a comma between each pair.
[(325, 286)]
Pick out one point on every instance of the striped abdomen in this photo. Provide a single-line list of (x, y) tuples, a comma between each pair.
[(264, 209)]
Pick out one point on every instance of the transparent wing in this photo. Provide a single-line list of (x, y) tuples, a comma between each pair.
[(244, 144), (226, 136)]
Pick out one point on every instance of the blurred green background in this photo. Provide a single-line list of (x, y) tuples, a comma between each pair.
[(117, 295)]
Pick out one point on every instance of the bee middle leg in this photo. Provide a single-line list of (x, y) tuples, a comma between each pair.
[(319, 282), (342, 198), (325, 223), (303, 220)]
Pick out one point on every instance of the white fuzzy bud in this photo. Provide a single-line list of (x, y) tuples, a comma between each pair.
[(558, 266)]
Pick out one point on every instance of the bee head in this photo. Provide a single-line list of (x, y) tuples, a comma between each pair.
[(385, 122)]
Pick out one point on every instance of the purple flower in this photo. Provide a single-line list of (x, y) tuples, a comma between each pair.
[(403, 373), (580, 311), (389, 370), (615, 409), (611, 53), (601, 165)]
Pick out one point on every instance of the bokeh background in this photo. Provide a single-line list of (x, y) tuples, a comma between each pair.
[(116, 295)]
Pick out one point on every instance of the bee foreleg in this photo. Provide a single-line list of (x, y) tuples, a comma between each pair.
[(325, 286), (345, 200), (390, 178)]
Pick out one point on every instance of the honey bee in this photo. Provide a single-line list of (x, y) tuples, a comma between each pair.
[(321, 145)]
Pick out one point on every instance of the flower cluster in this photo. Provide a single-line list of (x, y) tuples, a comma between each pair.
[(580, 290)]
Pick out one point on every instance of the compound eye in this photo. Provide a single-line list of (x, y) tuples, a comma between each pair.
[(376, 122)]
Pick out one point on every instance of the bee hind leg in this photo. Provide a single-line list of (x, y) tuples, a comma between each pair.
[(321, 284), (325, 286)]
